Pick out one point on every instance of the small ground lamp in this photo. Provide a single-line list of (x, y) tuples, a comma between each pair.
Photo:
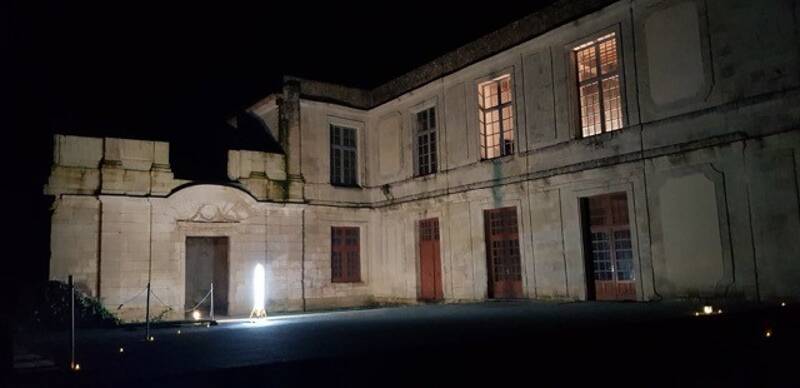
[(707, 310), (258, 293)]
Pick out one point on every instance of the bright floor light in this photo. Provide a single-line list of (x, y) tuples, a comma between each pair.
[(258, 288), (196, 315)]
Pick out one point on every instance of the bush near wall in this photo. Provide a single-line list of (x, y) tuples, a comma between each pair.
[(51, 309)]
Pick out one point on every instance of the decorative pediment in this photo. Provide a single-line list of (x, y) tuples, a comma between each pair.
[(226, 212)]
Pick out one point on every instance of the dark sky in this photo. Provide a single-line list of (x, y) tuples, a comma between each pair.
[(177, 72), (140, 70)]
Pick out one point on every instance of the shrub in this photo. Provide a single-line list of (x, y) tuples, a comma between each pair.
[(52, 309)]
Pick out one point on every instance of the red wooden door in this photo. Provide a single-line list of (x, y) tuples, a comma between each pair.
[(345, 254), (610, 248), (502, 253), (430, 264)]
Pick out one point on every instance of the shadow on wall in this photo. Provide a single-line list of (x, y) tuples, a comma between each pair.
[(202, 155), (253, 134)]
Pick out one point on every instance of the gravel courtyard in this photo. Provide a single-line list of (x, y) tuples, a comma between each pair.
[(496, 343)]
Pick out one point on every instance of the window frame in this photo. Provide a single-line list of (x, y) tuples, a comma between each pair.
[(497, 77), (574, 90), (416, 133), (345, 275), (332, 147)]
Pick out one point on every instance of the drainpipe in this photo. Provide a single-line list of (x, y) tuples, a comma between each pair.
[(303, 261), (644, 168), (99, 192), (99, 257)]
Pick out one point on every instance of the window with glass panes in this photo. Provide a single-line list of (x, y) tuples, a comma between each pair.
[(426, 141), (343, 156), (599, 85), (496, 117), (345, 252)]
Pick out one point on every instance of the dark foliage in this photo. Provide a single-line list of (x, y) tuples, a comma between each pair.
[(51, 309)]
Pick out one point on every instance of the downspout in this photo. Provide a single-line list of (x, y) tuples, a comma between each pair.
[(732, 282), (303, 261), (100, 221), (99, 244), (644, 163), (754, 251), (150, 244), (150, 228)]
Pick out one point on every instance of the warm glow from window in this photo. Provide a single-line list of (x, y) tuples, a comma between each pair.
[(597, 66), (496, 116)]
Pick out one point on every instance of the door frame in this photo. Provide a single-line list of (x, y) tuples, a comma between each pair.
[(582, 197), (439, 280), (490, 285), (516, 196), (229, 253)]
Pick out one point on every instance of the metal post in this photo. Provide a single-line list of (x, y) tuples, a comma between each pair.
[(147, 314), (212, 301), (72, 319)]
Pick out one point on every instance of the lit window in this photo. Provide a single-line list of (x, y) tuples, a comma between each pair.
[(426, 142), (345, 251), (343, 156), (597, 66), (496, 116)]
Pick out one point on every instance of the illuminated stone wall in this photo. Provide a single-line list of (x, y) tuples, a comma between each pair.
[(708, 154), (709, 158)]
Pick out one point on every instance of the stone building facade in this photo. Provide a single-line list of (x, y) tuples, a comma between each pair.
[(635, 149)]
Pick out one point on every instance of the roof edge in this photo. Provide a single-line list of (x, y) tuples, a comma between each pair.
[(331, 92), (513, 34)]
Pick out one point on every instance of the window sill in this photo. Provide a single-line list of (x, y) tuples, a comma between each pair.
[(355, 282), (499, 159), (551, 146), (426, 177), (600, 137), (346, 186)]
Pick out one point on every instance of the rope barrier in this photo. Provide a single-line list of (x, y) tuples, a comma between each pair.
[(200, 302), (159, 300), (174, 309), (163, 303), (131, 299)]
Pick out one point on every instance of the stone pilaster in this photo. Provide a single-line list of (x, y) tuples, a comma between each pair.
[(290, 139)]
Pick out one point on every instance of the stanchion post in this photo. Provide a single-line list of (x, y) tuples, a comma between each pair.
[(72, 323), (212, 301), (147, 315)]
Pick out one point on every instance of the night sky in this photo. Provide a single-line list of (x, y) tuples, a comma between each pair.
[(177, 73)]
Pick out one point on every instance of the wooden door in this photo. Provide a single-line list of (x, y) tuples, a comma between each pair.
[(502, 253), (345, 254), (206, 262), (610, 249), (430, 264)]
